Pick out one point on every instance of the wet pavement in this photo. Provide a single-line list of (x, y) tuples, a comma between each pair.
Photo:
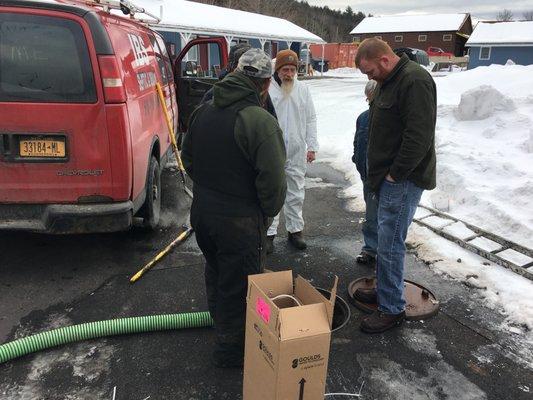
[(48, 282)]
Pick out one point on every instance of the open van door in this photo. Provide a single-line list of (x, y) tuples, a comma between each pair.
[(196, 69)]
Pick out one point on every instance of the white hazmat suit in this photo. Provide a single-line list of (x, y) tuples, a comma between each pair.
[(297, 119)]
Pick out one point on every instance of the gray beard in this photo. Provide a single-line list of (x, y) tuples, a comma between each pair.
[(286, 88)]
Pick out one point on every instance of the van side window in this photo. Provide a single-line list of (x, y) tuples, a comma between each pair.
[(57, 69), (163, 61)]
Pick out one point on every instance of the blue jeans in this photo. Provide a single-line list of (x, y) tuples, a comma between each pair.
[(370, 226), (396, 208)]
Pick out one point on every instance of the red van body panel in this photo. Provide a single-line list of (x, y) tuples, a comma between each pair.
[(87, 146), (80, 164), (140, 72)]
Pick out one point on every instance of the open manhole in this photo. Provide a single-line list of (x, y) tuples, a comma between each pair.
[(421, 302), (341, 312)]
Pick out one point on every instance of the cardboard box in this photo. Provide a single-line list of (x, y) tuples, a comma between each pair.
[(287, 345)]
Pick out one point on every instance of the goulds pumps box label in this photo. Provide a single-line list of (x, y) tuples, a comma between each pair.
[(287, 343)]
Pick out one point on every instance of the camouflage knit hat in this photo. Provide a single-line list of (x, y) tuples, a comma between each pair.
[(255, 63), (235, 53)]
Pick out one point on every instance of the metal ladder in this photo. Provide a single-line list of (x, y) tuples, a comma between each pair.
[(502, 247)]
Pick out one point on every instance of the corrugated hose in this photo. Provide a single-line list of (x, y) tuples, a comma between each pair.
[(91, 330)]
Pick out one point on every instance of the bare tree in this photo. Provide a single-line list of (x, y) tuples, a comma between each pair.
[(528, 15), (505, 16)]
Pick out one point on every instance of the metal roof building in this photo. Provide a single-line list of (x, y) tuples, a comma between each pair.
[(495, 43)]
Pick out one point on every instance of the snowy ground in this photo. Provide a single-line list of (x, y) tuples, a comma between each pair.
[(484, 143)]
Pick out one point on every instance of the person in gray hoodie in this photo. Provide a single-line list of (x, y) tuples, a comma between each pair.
[(235, 155)]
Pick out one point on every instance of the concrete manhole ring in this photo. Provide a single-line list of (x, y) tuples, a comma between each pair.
[(421, 302)]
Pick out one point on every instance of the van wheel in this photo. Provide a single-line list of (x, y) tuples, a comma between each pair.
[(151, 209)]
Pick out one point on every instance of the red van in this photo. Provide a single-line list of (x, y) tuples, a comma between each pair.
[(83, 138)]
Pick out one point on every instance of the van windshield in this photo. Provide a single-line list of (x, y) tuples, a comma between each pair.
[(44, 59)]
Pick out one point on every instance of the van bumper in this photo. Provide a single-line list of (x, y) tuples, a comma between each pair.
[(66, 218)]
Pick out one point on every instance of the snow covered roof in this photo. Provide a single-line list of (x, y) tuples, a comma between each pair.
[(198, 18), (502, 33), (411, 23)]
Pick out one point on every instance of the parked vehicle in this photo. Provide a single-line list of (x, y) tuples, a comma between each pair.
[(83, 137), (306, 58), (438, 52), (416, 55)]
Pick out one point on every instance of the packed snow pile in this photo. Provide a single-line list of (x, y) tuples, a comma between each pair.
[(481, 103), (484, 157), (528, 145)]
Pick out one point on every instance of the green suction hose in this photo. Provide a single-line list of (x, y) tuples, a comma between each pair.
[(92, 330)]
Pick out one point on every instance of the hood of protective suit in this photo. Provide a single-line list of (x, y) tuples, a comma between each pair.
[(235, 88)]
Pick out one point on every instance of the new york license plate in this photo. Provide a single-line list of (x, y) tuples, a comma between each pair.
[(51, 148)]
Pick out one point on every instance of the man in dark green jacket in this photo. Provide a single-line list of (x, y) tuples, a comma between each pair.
[(235, 155), (401, 164)]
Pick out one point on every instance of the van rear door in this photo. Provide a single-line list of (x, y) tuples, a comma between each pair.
[(54, 146)]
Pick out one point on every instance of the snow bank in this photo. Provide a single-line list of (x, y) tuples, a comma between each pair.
[(343, 73), (514, 81), (484, 149)]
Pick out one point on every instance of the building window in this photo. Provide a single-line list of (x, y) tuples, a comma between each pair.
[(447, 38), (484, 53), (398, 38), (379, 37), (357, 38), (422, 38)]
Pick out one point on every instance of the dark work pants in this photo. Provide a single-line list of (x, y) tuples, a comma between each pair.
[(233, 248)]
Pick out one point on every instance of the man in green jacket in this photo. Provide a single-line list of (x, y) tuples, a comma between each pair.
[(401, 164), (235, 156)]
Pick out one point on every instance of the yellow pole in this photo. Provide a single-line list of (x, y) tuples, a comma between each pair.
[(185, 234), (171, 133), (180, 239)]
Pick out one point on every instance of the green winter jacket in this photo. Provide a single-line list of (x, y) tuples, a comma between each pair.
[(256, 133), (402, 128)]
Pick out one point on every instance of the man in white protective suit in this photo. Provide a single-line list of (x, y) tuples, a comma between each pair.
[(297, 119)]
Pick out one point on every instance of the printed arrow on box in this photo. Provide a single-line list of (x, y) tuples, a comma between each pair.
[(302, 386)]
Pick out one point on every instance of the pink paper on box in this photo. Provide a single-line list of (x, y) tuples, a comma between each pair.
[(263, 309)]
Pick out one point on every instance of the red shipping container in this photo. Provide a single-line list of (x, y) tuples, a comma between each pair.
[(339, 55)]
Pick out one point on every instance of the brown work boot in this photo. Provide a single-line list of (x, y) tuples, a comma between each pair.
[(270, 244), (379, 322), (297, 240), (367, 296)]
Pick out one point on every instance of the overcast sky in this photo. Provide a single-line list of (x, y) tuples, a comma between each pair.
[(485, 9)]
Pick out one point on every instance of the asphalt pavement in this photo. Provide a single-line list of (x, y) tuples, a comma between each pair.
[(52, 281)]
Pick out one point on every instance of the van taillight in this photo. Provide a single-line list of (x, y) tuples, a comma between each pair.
[(112, 82)]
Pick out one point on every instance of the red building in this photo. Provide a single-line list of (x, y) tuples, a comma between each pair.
[(446, 31)]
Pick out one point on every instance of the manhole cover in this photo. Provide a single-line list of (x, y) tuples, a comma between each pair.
[(421, 303)]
